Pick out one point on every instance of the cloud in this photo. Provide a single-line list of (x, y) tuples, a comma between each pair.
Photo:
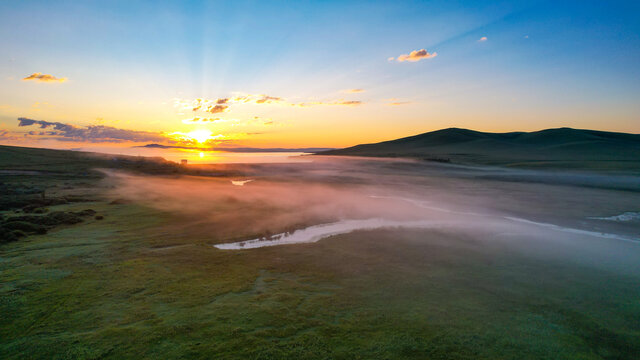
[(255, 121), (330, 103), (261, 121), (482, 39), (215, 109), (391, 58), (416, 55), (40, 77), (210, 106), (398, 103), (197, 120), (268, 100), (215, 106), (91, 133), (257, 99), (7, 135), (347, 103), (353, 91)]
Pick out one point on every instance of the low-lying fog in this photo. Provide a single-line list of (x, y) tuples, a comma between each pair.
[(280, 204)]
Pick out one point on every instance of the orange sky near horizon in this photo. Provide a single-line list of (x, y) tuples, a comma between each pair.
[(326, 74)]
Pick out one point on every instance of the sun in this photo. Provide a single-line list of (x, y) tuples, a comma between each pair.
[(200, 135)]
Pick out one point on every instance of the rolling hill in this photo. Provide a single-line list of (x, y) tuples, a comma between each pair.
[(564, 147)]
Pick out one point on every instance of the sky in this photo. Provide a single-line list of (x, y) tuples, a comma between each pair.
[(311, 74)]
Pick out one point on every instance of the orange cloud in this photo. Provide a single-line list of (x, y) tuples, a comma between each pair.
[(197, 120), (224, 104), (40, 77), (255, 121), (417, 55), (214, 109), (398, 103), (257, 99), (337, 102), (347, 103), (482, 39), (353, 91)]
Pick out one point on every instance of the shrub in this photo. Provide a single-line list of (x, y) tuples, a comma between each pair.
[(25, 226), (7, 236)]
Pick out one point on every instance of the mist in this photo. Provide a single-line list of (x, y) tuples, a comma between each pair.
[(253, 206)]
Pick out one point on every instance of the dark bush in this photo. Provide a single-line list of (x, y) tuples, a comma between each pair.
[(25, 226), (87, 212), (61, 217), (15, 227), (119, 202), (7, 236), (29, 208)]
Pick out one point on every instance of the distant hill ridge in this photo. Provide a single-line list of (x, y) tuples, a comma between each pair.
[(455, 144)]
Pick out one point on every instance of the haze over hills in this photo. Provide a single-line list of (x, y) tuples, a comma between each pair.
[(564, 147), (236, 149)]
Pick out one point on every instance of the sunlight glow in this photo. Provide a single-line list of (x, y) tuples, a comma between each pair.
[(200, 135)]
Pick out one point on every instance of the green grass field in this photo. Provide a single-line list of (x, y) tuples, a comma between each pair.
[(145, 282)]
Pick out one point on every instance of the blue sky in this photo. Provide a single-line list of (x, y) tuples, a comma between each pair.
[(544, 64)]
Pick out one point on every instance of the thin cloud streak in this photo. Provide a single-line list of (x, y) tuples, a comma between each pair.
[(216, 106), (40, 77), (398, 103), (353, 91)]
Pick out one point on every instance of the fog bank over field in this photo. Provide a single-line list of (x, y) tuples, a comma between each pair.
[(306, 202)]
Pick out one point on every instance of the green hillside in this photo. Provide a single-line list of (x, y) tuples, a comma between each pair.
[(563, 147)]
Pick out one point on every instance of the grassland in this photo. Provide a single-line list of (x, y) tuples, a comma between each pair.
[(145, 282), (559, 149)]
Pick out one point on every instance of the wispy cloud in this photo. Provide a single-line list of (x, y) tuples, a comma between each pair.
[(215, 106), (331, 103), (215, 109), (91, 133), (210, 106), (417, 55), (398, 103), (255, 121), (198, 120), (353, 91), (40, 77), (482, 39)]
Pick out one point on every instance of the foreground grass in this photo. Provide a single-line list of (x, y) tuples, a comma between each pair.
[(143, 283), (96, 292)]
